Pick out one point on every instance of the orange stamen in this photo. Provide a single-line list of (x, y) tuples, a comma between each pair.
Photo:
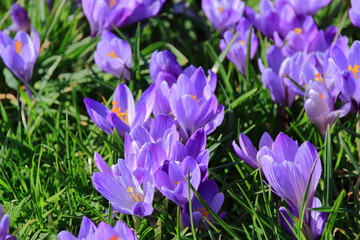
[(221, 9), (177, 182), (112, 55), (318, 77), (193, 97), (137, 197), (298, 30), (112, 3), (114, 238), (18, 47), (122, 115), (321, 96), (354, 70), (203, 212)]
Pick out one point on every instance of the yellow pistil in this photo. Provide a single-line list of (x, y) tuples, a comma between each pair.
[(354, 69), (122, 115), (112, 3), (193, 97), (318, 77), (221, 9), (298, 30), (18, 47), (241, 42), (203, 212), (114, 238), (112, 54), (137, 197)]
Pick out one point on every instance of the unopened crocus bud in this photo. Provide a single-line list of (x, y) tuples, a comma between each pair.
[(20, 19), (319, 106), (163, 66), (113, 55)]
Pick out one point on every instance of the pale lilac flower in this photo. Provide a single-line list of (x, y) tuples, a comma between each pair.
[(124, 114), (223, 14), (238, 51), (113, 55), (287, 168), (173, 183), (104, 14), (164, 67), (20, 54), (319, 106), (194, 104), (309, 7), (144, 9), (354, 13), (89, 231), (282, 17), (346, 70), (247, 152), (118, 185)]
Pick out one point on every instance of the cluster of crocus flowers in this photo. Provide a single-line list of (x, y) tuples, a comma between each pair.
[(288, 168), (20, 54), (89, 231), (299, 63), (113, 55), (105, 14), (4, 226), (166, 152)]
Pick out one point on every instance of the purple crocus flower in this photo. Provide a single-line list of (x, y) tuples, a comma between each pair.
[(144, 9), (20, 19), (346, 69), (287, 167), (89, 231), (173, 183), (354, 13), (164, 67), (4, 226), (223, 14), (118, 185), (104, 14), (247, 152), (124, 114), (319, 106), (316, 224), (238, 51), (194, 104), (113, 55), (272, 80), (282, 16), (209, 192), (309, 7), (20, 54), (299, 38)]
